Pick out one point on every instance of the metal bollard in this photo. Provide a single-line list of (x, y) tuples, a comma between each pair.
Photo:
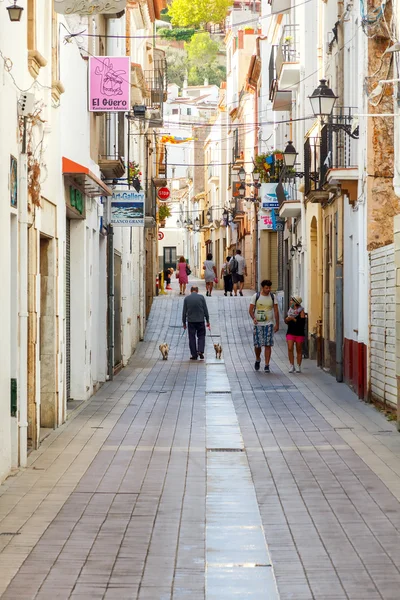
[(157, 282)]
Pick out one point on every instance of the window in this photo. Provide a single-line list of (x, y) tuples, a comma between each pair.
[(175, 111), (189, 111)]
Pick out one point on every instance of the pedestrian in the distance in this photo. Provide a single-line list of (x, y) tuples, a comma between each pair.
[(182, 272), (168, 275), (194, 313), (296, 322), (225, 273), (238, 269), (210, 273), (264, 311)]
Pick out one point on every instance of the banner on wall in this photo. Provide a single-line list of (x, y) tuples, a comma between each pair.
[(109, 83), (269, 198), (127, 208), (270, 220)]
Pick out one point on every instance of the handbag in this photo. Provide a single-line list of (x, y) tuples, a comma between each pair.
[(215, 279), (188, 271)]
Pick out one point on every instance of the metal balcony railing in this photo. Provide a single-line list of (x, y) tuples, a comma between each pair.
[(315, 162), (288, 49), (156, 84), (272, 72), (341, 147)]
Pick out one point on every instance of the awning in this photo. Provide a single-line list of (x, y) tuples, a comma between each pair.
[(84, 180)]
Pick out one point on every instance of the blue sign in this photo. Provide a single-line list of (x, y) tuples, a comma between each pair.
[(127, 208)]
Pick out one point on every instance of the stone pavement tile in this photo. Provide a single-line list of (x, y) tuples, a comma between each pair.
[(155, 593), (121, 593)]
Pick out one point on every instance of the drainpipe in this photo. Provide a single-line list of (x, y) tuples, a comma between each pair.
[(23, 303)]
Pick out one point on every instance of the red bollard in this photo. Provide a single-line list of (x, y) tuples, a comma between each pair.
[(157, 286)]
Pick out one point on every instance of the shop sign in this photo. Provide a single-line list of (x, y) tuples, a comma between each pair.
[(127, 208), (269, 197), (269, 220), (89, 7), (109, 83)]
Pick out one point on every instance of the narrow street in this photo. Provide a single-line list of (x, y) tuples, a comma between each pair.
[(183, 480)]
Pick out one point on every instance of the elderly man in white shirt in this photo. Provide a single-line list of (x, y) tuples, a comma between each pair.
[(238, 270)]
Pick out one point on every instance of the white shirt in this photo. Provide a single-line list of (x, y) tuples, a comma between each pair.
[(241, 264)]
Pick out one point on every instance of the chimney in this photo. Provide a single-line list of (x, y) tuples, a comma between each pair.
[(206, 81), (240, 39)]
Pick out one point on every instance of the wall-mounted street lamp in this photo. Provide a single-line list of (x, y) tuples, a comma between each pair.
[(15, 12), (242, 190), (322, 102), (209, 216), (242, 175), (179, 223), (290, 155), (197, 224), (296, 248)]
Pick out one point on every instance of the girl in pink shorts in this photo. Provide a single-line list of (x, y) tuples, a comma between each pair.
[(295, 321)]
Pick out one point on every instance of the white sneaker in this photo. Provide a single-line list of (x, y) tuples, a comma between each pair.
[(292, 369), (298, 369)]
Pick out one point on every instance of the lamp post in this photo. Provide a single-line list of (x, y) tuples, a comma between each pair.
[(242, 175), (290, 155), (322, 102), (15, 12)]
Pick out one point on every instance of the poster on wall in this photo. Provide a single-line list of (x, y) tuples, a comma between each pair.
[(89, 7), (270, 220), (127, 208), (269, 198), (13, 181), (109, 83)]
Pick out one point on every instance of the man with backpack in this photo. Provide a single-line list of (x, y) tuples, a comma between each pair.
[(264, 311), (238, 269)]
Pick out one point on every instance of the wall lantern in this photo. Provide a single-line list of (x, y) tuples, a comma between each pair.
[(256, 178), (208, 215), (322, 100), (290, 155), (15, 12), (197, 223), (242, 175), (242, 190)]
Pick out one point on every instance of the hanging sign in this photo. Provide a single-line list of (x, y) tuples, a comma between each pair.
[(89, 7), (127, 208), (270, 220), (109, 83), (163, 194), (269, 197)]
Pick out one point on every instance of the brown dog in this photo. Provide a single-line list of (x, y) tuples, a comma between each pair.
[(218, 350), (164, 349)]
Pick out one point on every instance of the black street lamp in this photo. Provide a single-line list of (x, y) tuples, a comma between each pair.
[(242, 175), (290, 155), (197, 223), (15, 12), (256, 178), (242, 190), (209, 216), (322, 100)]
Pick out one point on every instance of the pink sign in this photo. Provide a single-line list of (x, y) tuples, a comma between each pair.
[(266, 221), (109, 83)]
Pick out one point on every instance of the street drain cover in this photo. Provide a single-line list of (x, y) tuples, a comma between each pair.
[(225, 449)]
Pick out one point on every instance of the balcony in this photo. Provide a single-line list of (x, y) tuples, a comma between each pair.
[(279, 6), (112, 166), (315, 167), (156, 92), (290, 209), (281, 99), (342, 153), (288, 58)]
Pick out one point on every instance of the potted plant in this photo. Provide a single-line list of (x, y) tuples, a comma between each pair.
[(134, 175), (269, 165), (164, 211)]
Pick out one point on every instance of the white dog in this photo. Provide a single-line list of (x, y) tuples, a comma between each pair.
[(164, 349)]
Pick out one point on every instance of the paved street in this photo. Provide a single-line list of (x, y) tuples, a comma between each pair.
[(208, 480)]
